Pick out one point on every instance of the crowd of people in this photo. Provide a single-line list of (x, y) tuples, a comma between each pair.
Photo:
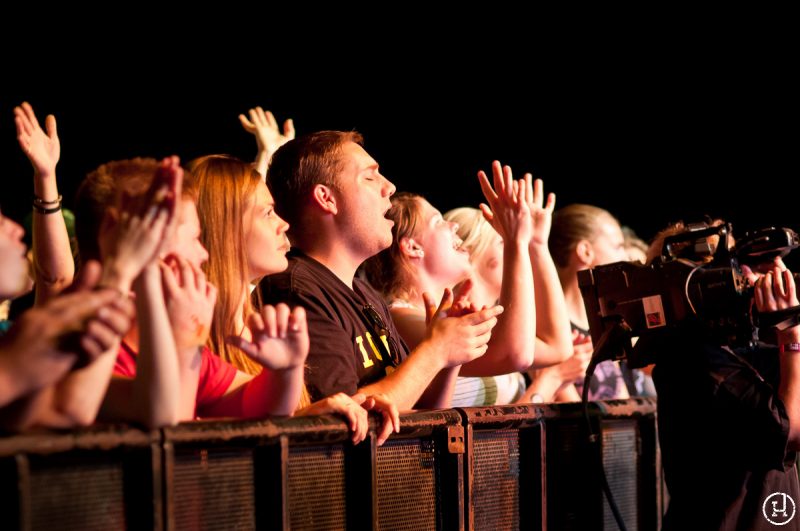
[(305, 284)]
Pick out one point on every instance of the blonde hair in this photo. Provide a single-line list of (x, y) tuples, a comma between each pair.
[(225, 187), (572, 224), (633, 243), (475, 232)]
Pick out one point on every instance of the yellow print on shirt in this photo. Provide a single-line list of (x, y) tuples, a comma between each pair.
[(367, 362)]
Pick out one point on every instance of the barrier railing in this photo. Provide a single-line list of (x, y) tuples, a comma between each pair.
[(504, 467)]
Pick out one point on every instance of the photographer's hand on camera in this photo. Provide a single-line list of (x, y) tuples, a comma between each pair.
[(776, 290)]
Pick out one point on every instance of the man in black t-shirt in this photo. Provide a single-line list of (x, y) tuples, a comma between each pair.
[(330, 191)]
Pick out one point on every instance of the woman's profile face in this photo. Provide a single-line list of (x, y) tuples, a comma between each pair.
[(266, 243)]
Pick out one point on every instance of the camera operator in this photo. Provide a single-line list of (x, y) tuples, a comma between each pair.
[(729, 422)]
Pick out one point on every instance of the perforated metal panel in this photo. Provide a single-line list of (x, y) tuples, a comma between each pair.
[(571, 492), (79, 495), (495, 494), (407, 485), (317, 488), (621, 462), (213, 489)]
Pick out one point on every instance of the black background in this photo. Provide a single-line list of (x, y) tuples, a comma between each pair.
[(653, 129)]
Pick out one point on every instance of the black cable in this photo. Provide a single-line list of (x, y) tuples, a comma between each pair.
[(604, 344)]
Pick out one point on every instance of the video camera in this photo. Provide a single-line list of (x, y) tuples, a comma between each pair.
[(697, 281)]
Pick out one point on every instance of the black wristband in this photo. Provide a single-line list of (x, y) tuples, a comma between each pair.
[(42, 210)]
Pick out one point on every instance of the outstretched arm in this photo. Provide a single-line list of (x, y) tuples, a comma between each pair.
[(52, 258), (553, 334), (512, 345)]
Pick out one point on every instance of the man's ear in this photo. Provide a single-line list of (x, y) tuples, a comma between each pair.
[(324, 198), (584, 252), (410, 248)]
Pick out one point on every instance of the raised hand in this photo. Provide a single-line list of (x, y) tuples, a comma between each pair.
[(190, 302), (54, 266), (541, 212), (144, 226), (508, 210), (268, 137), (42, 149), (280, 337)]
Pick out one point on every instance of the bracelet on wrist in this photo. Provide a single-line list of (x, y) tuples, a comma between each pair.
[(41, 202), (789, 347), (42, 210)]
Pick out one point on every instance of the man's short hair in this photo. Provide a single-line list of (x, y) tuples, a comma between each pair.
[(302, 163)]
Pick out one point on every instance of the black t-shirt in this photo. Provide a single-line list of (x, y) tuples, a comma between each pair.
[(723, 433), (345, 353)]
